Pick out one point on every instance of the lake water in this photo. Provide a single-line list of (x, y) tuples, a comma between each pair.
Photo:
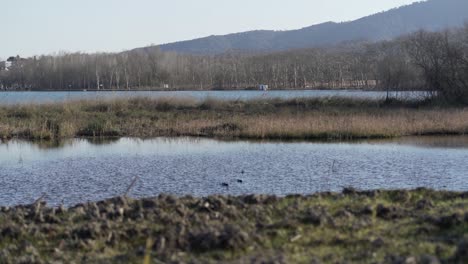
[(82, 170), (52, 97)]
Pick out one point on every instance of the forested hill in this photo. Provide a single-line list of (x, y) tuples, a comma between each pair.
[(429, 15)]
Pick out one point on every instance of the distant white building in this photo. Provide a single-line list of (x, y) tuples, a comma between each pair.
[(5, 65), (263, 87), (8, 65)]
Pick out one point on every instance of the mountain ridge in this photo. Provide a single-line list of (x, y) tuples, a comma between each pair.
[(430, 15)]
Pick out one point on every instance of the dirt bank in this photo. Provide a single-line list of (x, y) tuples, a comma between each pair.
[(420, 226)]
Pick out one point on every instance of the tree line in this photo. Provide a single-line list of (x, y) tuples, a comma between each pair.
[(433, 61)]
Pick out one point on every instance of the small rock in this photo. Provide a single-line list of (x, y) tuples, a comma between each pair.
[(229, 237), (449, 220), (390, 212), (170, 199), (378, 242), (411, 260), (148, 203), (367, 210), (253, 199), (51, 219), (349, 191), (344, 213), (402, 196), (61, 210), (424, 204), (140, 251), (382, 210), (215, 203), (89, 231), (11, 232), (313, 217)]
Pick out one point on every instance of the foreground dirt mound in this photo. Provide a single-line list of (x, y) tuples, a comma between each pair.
[(420, 226)]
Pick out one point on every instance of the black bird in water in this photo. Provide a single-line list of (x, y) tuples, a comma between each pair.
[(240, 181), (225, 184)]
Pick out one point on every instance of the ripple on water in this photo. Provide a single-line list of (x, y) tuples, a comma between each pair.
[(80, 170)]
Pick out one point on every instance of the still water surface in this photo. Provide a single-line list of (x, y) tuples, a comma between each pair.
[(81, 170), (53, 97)]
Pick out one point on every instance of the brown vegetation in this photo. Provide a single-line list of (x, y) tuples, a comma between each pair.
[(330, 118)]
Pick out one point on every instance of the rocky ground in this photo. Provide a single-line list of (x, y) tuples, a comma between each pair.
[(420, 226)]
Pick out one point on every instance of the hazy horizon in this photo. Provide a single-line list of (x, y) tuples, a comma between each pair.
[(51, 26)]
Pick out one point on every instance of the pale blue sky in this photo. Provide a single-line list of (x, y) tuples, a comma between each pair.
[(33, 27)]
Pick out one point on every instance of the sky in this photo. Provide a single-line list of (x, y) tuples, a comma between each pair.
[(35, 27)]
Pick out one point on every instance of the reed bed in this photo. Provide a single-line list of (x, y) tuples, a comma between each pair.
[(326, 118)]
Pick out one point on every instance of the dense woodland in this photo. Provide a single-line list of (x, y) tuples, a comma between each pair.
[(434, 61)]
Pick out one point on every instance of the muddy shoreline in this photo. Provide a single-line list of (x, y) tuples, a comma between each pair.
[(418, 226)]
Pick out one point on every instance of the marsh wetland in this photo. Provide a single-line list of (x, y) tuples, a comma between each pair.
[(343, 141), (304, 180)]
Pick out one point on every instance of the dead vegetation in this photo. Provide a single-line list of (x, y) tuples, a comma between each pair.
[(326, 118)]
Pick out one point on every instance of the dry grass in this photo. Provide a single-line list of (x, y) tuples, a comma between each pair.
[(261, 119), (344, 125)]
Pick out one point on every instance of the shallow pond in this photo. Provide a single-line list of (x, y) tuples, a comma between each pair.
[(82, 170), (53, 97)]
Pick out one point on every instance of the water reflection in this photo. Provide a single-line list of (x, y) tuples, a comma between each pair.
[(459, 142), (88, 169), (53, 97)]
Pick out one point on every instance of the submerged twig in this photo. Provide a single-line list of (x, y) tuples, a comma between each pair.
[(38, 200), (332, 168), (131, 186)]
